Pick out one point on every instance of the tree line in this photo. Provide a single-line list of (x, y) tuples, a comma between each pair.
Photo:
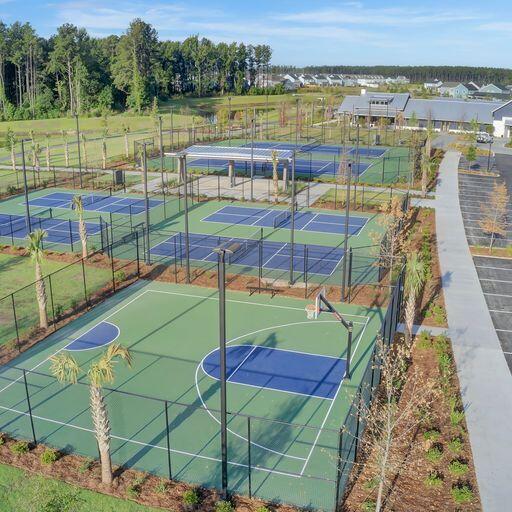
[(72, 72), (414, 73)]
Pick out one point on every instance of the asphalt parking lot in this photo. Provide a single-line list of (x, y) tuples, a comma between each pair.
[(495, 276)]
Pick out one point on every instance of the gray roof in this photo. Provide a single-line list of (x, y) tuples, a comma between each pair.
[(452, 110), (237, 153), (451, 85), (362, 103)]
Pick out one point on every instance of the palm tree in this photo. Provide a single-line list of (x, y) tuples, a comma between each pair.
[(275, 175), (66, 146), (84, 146), (414, 279), (11, 142), (35, 250), (126, 131), (104, 148), (78, 206), (66, 370), (48, 153)]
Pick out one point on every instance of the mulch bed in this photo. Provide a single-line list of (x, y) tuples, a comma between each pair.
[(409, 492)]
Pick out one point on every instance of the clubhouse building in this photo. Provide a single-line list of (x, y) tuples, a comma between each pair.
[(444, 114)]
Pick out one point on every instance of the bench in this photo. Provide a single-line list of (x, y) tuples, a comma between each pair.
[(266, 287)]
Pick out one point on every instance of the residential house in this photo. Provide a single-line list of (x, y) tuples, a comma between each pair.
[(454, 90)]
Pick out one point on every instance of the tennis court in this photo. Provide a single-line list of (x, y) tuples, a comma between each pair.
[(287, 395), (278, 218), (304, 167), (319, 260), (95, 202), (57, 230), (364, 151)]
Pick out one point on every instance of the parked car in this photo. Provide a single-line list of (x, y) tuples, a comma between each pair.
[(484, 138)]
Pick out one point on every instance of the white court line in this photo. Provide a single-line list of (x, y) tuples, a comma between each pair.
[(333, 401), (309, 222), (243, 361), (67, 345), (140, 443)]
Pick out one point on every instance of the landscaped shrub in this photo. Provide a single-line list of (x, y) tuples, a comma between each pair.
[(85, 465), (434, 454), (161, 486), (424, 340), (458, 468), (119, 276), (224, 506), (455, 445), (49, 456), (434, 479), (462, 493), (368, 505), (431, 435), (191, 499), (19, 447)]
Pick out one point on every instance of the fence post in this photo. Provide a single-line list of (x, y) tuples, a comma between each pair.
[(249, 476), (218, 187), (357, 425), (51, 302), (337, 480), (15, 322), (85, 284), (335, 194), (29, 408), (137, 252), (305, 271), (113, 273), (350, 255), (168, 439), (71, 235)]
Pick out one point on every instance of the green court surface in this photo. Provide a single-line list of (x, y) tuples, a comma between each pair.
[(164, 410), (392, 167)]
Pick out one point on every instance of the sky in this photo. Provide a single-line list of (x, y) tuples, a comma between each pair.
[(317, 32)]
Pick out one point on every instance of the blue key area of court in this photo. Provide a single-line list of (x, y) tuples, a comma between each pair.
[(57, 230), (319, 259), (273, 218), (281, 370), (95, 202)]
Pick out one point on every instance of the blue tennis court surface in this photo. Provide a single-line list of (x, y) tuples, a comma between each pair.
[(302, 167), (364, 151), (304, 221), (280, 370), (95, 202), (58, 230), (316, 259)]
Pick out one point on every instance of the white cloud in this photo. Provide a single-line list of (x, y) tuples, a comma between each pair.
[(498, 26)]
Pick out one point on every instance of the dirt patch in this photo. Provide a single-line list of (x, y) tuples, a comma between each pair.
[(409, 492), (137, 486)]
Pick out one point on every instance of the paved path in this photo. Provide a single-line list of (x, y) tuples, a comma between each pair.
[(485, 380)]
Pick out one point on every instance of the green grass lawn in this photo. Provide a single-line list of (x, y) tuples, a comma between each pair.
[(20, 490), (17, 275)]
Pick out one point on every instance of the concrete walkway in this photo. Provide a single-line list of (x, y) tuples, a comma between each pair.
[(485, 380)]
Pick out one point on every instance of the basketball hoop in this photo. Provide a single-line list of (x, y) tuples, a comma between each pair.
[(311, 311)]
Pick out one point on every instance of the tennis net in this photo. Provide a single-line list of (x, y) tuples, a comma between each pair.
[(281, 218), (310, 146), (11, 225), (247, 246)]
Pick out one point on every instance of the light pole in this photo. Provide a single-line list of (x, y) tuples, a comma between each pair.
[(229, 120), (25, 186), (183, 167), (78, 147), (345, 241), (322, 128), (146, 200), (292, 218), (252, 159), (221, 252)]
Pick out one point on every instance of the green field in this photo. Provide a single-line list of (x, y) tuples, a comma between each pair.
[(171, 331), (66, 288), (21, 490)]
